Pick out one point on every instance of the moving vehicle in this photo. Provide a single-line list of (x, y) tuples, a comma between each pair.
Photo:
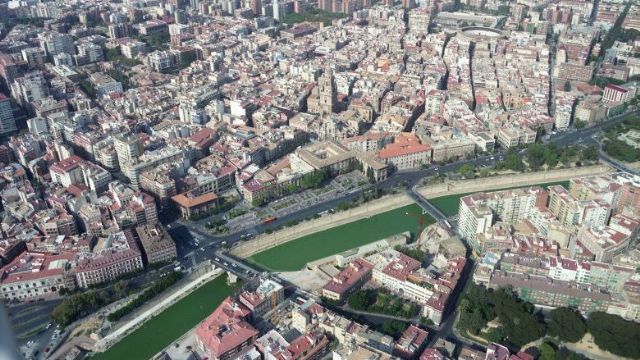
[(268, 220)]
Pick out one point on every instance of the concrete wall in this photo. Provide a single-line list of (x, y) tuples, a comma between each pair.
[(267, 241), (507, 181)]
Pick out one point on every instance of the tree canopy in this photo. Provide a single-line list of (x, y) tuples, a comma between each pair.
[(467, 171), (512, 161), (614, 334), (518, 323), (567, 324)]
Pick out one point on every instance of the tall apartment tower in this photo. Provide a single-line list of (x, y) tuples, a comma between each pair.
[(128, 148), (7, 122), (276, 9)]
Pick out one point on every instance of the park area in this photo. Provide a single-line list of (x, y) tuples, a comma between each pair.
[(160, 331), (383, 302), (295, 254)]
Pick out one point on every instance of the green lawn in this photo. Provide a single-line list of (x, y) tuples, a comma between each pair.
[(172, 323), (295, 254), (449, 204)]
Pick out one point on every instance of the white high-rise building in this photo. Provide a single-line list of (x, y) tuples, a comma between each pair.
[(276, 9), (7, 122)]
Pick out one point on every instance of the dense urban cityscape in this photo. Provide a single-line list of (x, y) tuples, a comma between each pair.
[(330, 179)]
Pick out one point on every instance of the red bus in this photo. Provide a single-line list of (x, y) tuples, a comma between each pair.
[(268, 219)]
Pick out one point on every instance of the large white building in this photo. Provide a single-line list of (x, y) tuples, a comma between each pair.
[(477, 211), (397, 272), (104, 84), (29, 88)]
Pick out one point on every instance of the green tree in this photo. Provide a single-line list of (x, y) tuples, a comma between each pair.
[(394, 328), (467, 171), (621, 150), (494, 335), (362, 299), (513, 162), (259, 200), (567, 86), (547, 351), (567, 324), (413, 253), (314, 179), (518, 324), (120, 288), (88, 88), (614, 334), (550, 156), (112, 54), (535, 155), (580, 124), (370, 175), (589, 153)]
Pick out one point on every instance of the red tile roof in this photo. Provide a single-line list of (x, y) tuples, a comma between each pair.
[(404, 144), (401, 267), (431, 354), (226, 328), (67, 164), (348, 277)]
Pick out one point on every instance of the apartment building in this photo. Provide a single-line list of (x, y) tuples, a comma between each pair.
[(7, 121), (601, 243), (226, 332), (541, 290), (104, 84), (570, 211), (354, 275), (396, 272), (157, 244), (477, 211), (263, 298), (604, 275), (114, 255), (512, 137), (160, 185), (406, 152), (194, 203), (32, 276)]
